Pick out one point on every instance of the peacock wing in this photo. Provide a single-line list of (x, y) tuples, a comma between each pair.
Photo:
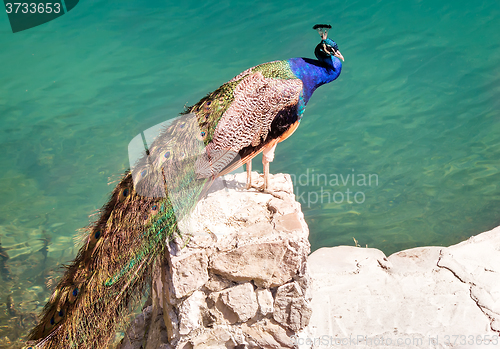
[(258, 101)]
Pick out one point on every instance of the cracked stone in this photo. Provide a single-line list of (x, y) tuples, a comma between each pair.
[(290, 307), (265, 300), (241, 300), (423, 292), (189, 273), (267, 264), (190, 317)]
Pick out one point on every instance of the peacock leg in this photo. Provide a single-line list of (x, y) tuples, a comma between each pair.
[(267, 157), (266, 174), (249, 173)]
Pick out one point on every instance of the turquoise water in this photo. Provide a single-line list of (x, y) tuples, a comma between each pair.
[(417, 107)]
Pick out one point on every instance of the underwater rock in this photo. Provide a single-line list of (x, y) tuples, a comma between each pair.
[(4, 271)]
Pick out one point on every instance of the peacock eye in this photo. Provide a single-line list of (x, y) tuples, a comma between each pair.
[(61, 313), (143, 173), (123, 194), (167, 155), (75, 292), (203, 134), (97, 234)]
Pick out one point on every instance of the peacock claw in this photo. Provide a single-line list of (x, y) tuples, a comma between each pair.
[(263, 190)]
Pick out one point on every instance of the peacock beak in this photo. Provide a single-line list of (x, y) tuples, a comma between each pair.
[(332, 50), (338, 54)]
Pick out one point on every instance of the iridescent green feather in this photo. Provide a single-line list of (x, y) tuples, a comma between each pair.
[(276, 69)]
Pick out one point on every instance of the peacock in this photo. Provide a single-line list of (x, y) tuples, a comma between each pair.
[(249, 114)]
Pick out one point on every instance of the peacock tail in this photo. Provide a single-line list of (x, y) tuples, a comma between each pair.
[(224, 130), (110, 272)]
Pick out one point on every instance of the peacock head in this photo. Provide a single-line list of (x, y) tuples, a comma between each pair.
[(327, 47)]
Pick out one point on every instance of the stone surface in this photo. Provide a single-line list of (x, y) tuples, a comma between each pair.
[(421, 297), (188, 272), (213, 338), (190, 312), (218, 283), (259, 262), (265, 300), (266, 334), (157, 334), (240, 300), (476, 262), (291, 308)]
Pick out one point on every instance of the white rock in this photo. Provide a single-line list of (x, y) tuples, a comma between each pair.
[(261, 262), (266, 334), (216, 338), (265, 300), (241, 300), (290, 307), (188, 272), (190, 312), (476, 262), (419, 295)]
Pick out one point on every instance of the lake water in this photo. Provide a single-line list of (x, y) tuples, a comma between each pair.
[(414, 118)]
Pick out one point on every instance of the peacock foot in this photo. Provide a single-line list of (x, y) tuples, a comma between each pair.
[(263, 189)]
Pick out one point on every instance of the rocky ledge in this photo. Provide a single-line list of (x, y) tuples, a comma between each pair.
[(426, 297), (236, 279), (240, 280)]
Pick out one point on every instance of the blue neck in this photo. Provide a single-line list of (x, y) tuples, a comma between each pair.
[(314, 73)]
